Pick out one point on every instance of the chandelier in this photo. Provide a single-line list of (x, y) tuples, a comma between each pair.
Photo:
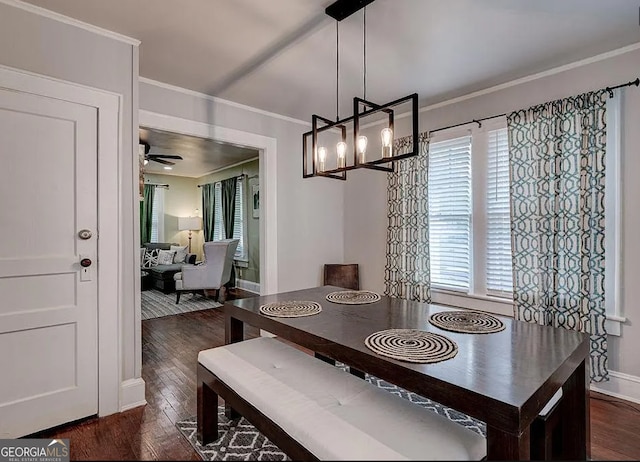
[(365, 139)]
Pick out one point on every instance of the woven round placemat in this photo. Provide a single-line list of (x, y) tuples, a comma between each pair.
[(467, 322), (291, 309), (353, 297), (412, 345)]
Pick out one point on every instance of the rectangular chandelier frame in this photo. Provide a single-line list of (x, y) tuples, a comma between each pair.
[(368, 108)]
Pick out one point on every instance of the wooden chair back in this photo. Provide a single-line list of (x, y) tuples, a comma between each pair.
[(342, 275)]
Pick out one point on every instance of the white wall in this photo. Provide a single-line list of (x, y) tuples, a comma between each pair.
[(309, 211), (52, 48), (365, 195)]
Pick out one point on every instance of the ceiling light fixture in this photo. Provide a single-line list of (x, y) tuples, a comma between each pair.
[(374, 151), (168, 168)]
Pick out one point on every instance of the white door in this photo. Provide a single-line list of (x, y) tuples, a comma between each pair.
[(48, 307)]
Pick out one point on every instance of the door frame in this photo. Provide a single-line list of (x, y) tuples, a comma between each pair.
[(267, 147), (109, 107)]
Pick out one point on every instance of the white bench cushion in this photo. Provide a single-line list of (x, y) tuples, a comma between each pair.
[(332, 413)]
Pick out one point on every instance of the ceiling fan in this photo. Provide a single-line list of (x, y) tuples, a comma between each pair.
[(160, 158)]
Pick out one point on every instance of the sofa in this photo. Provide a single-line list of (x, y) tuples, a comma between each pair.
[(160, 276)]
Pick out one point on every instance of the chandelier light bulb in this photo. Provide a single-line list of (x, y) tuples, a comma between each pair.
[(362, 148), (341, 150), (387, 137), (322, 156), (146, 161)]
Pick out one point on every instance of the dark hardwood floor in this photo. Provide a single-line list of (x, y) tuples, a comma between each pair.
[(170, 347)]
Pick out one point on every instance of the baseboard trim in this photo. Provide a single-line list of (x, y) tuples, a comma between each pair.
[(132, 394), (620, 385), (249, 286)]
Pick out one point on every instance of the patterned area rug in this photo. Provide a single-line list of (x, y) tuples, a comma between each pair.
[(239, 440), (155, 304)]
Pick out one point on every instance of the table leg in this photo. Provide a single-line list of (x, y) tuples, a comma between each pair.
[(575, 415), (507, 446), (233, 330), (233, 333)]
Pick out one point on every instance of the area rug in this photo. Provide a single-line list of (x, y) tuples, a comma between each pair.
[(155, 304), (239, 440)]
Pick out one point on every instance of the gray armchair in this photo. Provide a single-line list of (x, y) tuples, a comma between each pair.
[(213, 273)]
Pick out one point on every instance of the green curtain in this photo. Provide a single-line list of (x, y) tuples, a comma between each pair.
[(557, 166), (146, 212), (407, 271), (228, 215), (228, 205), (208, 207)]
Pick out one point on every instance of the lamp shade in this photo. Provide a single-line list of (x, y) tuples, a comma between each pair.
[(189, 223)]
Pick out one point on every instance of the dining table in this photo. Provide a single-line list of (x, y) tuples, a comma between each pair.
[(503, 379)]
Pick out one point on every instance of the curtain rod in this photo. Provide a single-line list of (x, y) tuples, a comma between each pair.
[(214, 182), (635, 82), (158, 185)]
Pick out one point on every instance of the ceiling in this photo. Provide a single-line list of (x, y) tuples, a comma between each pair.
[(279, 55), (200, 156)]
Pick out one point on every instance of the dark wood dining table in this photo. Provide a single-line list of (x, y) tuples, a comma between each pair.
[(503, 379)]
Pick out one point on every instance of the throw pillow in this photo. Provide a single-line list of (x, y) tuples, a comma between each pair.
[(165, 257), (150, 258), (143, 252), (181, 253)]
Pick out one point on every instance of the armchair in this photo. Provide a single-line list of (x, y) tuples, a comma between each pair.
[(213, 273)]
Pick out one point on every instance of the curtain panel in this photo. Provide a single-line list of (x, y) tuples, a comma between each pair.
[(228, 216), (407, 271), (557, 167), (208, 207), (146, 213)]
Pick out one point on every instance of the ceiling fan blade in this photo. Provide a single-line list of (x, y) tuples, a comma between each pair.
[(165, 156), (161, 161)]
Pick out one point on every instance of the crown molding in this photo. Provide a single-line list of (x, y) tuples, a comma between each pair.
[(71, 21), (532, 77), (218, 100)]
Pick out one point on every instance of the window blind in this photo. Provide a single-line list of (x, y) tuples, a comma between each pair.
[(157, 210), (218, 230), (499, 264), (238, 227), (450, 212)]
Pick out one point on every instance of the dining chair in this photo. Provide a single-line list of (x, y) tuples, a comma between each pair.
[(342, 275)]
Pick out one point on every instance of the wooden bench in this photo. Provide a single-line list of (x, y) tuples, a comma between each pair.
[(314, 411)]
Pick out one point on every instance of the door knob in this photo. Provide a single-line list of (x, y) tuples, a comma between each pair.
[(85, 262)]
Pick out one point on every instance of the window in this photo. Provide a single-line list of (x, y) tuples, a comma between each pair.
[(239, 227), (498, 262), (450, 212), (469, 217), (157, 216)]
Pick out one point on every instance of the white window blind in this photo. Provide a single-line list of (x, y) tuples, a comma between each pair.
[(238, 227), (218, 230), (498, 260), (157, 216), (450, 212), (239, 218)]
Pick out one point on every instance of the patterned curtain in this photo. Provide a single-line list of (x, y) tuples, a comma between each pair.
[(208, 206), (407, 273), (228, 215), (557, 165), (146, 213)]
